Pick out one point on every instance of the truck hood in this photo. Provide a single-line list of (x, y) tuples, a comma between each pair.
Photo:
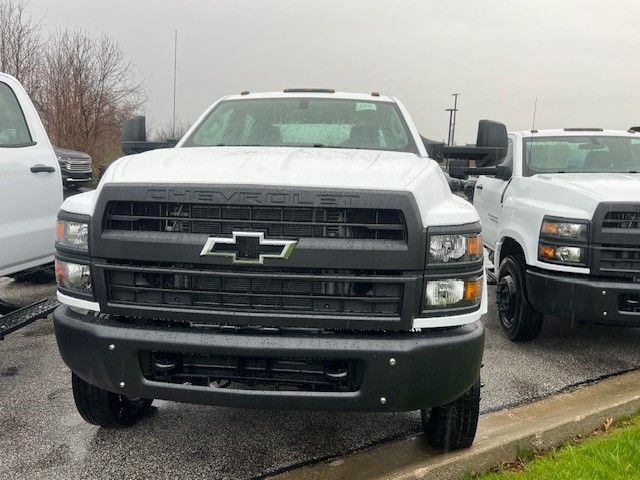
[(306, 167), (601, 187), (342, 169)]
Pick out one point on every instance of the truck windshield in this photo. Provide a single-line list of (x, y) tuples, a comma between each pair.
[(582, 154), (304, 122)]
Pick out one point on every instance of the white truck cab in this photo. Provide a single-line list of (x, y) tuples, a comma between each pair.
[(561, 219), (296, 249), (30, 184)]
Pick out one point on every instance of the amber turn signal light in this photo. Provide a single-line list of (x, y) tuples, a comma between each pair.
[(60, 230), (550, 228), (474, 246), (547, 251), (473, 290), (61, 272)]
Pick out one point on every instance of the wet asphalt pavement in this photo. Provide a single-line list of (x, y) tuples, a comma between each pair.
[(42, 436)]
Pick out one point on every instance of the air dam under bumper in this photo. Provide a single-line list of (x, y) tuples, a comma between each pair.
[(583, 299), (430, 369)]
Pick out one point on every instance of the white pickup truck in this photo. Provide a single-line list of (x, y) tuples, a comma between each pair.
[(561, 219), (296, 249), (30, 186)]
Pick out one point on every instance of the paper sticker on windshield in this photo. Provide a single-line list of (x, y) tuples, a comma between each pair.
[(360, 106)]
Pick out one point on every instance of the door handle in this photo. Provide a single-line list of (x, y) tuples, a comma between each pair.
[(42, 169), (479, 187)]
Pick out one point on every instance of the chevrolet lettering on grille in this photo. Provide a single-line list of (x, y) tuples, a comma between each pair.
[(248, 247)]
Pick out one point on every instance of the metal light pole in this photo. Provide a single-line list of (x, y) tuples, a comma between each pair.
[(453, 123), (175, 72), (450, 110)]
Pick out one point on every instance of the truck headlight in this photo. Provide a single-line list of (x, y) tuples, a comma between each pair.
[(453, 293), (563, 241), (73, 276), (564, 229), (562, 253), (455, 248), (72, 235)]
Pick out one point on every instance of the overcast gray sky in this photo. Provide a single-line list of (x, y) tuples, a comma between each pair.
[(580, 57)]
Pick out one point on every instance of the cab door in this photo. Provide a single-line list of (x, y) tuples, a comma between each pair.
[(487, 199), (30, 183)]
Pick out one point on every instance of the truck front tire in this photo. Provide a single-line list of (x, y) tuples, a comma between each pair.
[(106, 409), (453, 426), (520, 322)]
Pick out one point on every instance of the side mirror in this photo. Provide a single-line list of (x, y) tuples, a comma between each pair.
[(458, 169), (490, 148), (488, 153), (461, 169), (435, 150), (134, 130), (492, 135), (134, 137)]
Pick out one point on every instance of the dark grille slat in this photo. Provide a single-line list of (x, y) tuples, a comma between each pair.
[(258, 272), (193, 287), (616, 258), (238, 293), (373, 226), (621, 220), (277, 222)]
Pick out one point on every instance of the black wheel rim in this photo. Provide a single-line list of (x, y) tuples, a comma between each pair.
[(507, 300)]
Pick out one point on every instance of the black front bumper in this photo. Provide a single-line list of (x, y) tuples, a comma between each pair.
[(584, 299), (430, 369)]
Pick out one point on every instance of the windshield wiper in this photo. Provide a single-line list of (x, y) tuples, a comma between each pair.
[(321, 145)]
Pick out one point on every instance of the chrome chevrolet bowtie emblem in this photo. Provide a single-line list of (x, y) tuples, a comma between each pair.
[(248, 247)]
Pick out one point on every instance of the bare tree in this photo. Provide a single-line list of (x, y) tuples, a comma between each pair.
[(20, 44), (166, 132), (88, 91)]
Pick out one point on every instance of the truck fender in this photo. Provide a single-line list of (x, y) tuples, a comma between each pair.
[(509, 235)]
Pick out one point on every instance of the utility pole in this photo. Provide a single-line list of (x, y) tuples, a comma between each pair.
[(452, 119), (175, 72), (450, 110)]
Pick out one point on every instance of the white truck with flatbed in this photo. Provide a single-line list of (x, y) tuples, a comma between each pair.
[(560, 217), (295, 250)]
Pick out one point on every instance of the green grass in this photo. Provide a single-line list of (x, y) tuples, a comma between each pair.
[(611, 455)]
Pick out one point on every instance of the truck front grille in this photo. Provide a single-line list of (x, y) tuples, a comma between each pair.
[(78, 165), (621, 220), (616, 239), (252, 373), (276, 222), (310, 291), (620, 259)]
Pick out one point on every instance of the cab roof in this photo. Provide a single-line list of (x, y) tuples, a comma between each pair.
[(313, 93)]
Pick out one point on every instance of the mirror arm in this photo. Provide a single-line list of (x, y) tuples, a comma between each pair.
[(488, 171)]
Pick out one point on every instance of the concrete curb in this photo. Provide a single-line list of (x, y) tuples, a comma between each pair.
[(501, 434)]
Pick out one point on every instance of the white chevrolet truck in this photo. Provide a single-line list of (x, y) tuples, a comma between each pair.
[(295, 250), (30, 187), (561, 218)]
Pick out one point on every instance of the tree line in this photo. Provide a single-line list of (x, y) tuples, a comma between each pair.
[(83, 85)]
